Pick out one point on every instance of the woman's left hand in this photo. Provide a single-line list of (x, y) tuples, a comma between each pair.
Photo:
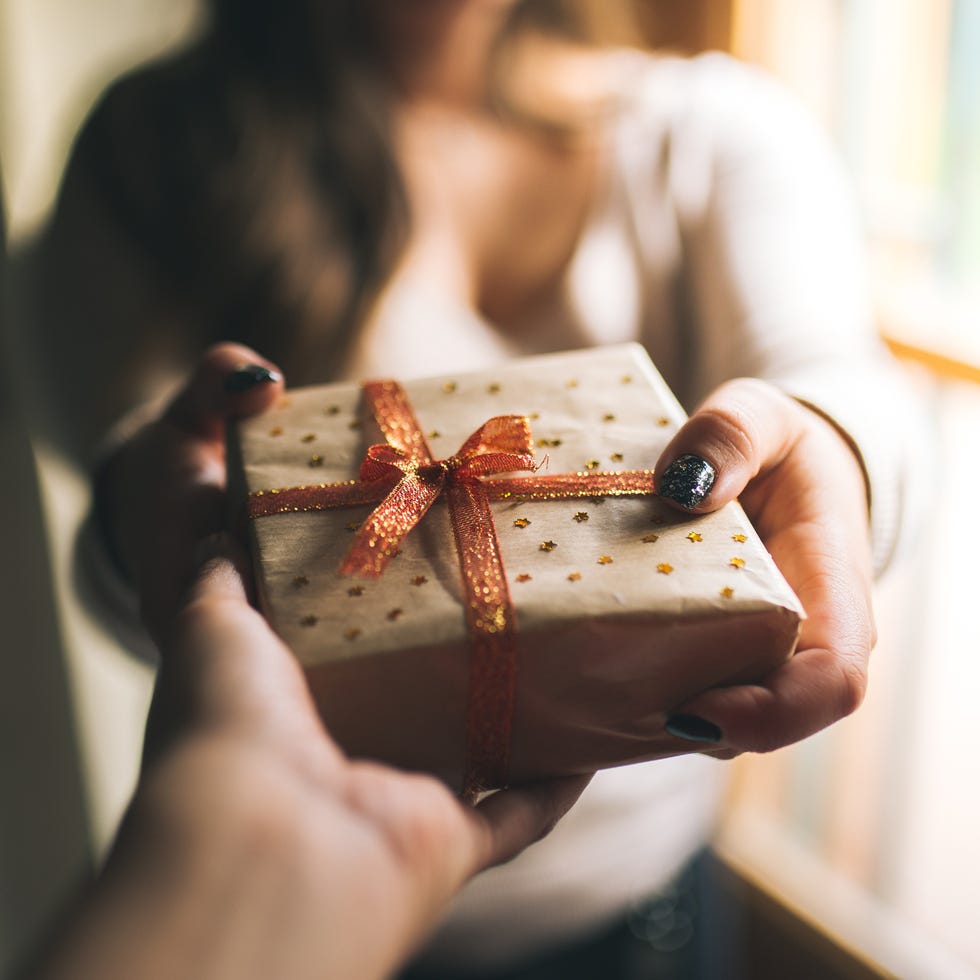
[(803, 488)]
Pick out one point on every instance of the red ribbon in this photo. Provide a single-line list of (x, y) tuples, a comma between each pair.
[(402, 478)]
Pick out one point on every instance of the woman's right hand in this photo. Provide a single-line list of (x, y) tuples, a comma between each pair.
[(163, 489)]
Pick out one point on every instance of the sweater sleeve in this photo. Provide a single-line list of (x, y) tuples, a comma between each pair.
[(776, 276)]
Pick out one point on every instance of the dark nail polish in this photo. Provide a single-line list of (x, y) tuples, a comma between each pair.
[(687, 481), (248, 376), (691, 728)]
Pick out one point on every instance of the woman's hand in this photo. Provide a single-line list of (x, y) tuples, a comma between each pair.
[(253, 847), (163, 489), (804, 490)]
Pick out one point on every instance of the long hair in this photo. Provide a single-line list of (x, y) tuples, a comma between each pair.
[(255, 170)]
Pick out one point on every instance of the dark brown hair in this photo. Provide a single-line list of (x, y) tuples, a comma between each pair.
[(255, 172)]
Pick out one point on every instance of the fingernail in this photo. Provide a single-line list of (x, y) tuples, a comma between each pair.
[(691, 728), (248, 376), (687, 481)]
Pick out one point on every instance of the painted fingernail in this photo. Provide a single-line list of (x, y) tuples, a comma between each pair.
[(248, 376), (687, 481), (691, 728)]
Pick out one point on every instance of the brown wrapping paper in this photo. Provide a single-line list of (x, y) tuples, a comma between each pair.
[(635, 609)]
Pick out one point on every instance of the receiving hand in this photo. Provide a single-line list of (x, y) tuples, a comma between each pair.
[(803, 488), (253, 847)]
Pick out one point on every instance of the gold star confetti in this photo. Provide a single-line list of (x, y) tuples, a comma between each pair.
[(665, 568), (737, 562), (592, 464), (299, 581), (333, 410), (694, 536), (662, 421), (616, 457), (419, 580), (626, 379), (571, 383), (315, 461), (523, 577), (547, 546), (650, 538), (352, 634), (609, 417), (604, 560), (727, 592), (580, 517), (355, 590), (449, 387), (309, 437), (493, 389), (354, 526), (393, 614), (276, 430), (548, 443), (435, 434), (740, 538), (574, 576), (309, 621), (522, 522), (534, 416)]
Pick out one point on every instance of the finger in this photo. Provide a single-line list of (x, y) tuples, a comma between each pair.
[(230, 381), (744, 428), (515, 818)]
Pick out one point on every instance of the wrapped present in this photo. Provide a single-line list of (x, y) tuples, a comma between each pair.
[(478, 578)]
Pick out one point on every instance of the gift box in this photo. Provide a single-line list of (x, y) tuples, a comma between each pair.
[(466, 610)]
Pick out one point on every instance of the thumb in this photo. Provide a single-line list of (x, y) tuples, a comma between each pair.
[(744, 428), (230, 381)]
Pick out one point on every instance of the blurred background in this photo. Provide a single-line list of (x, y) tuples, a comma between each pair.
[(857, 852)]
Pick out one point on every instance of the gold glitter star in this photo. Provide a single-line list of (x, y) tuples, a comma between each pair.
[(419, 580), (737, 562), (309, 621), (352, 634), (315, 461), (355, 590), (354, 526), (740, 538), (435, 434), (534, 416), (616, 457), (449, 387), (276, 430), (548, 443), (309, 437), (333, 410), (665, 568), (521, 522), (580, 517), (547, 546), (299, 581), (694, 536), (592, 464), (650, 538), (523, 577), (571, 383), (493, 389), (604, 560), (574, 576), (662, 421), (393, 614), (609, 417), (626, 379), (727, 592)]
